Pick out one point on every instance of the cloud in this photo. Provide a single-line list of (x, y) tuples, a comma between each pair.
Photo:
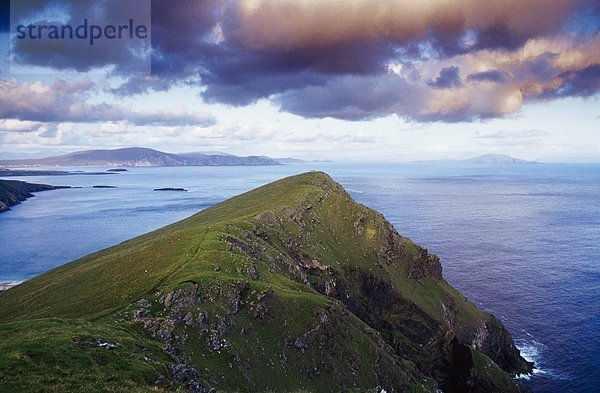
[(449, 77), (171, 118), (358, 97), (521, 139), (124, 56), (360, 59), (292, 24), (522, 134), (64, 101), (333, 58), (13, 125), (491, 75)]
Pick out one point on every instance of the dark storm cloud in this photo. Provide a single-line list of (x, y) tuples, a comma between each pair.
[(449, 77), (319, 59), (366, 97), (491, 75), (352, 98), (585, 82)]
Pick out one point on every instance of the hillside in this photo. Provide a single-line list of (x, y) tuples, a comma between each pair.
[(139, 156), (290, 287), (14, 192)]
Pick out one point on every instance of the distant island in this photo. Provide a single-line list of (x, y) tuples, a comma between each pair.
[(498, 159), (487, 159), (171, 189), (13, 192), (140, 157)]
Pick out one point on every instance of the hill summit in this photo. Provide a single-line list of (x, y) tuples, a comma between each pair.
[(290, 287)]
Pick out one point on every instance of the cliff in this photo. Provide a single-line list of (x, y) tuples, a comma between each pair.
[(290, 287), (13, 192)]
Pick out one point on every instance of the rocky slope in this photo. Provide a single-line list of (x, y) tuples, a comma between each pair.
[(14, 192), (290, 287)]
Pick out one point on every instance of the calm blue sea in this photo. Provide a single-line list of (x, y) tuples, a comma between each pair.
[(521, 241)]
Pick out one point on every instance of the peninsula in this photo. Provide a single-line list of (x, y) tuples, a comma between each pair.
[(290, 287)]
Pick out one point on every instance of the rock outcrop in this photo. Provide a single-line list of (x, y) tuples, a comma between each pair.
[(13, 192)]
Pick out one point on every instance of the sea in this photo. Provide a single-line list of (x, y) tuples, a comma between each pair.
[(520, 241)]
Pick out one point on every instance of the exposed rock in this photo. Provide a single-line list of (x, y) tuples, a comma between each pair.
[(425, 265), (83, 342), (175, 302), (160, 329), (202, 323), (143, 303), (250, 270), (242, 246), (188, 319), (183, 372), (267, 218), (188, 375), (496, 342), (13, 192), (391, 248), (260, 308), (359, 224), (140, 314), (217, 331), (233, 295), (300, 343)]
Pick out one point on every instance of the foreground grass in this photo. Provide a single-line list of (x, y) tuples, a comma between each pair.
[(42, 356)]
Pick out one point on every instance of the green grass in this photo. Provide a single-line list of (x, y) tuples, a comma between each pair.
[(40, 356)]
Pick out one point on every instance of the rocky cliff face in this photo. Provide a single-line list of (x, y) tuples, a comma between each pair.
[(14, 192), (439, 345), (291, 286)]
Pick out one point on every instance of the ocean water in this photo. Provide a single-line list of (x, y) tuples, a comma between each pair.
[(520, 241)]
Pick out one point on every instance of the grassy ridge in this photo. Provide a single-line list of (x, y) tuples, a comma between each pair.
[(290, 286)]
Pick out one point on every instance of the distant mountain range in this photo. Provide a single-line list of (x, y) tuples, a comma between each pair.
[(139, 157), (488, 159)]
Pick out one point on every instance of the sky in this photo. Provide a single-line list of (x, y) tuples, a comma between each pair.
[(359, 80)]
